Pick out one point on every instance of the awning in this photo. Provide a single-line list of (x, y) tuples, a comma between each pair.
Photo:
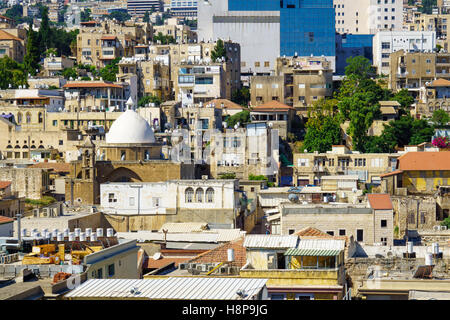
[(271, 211), (274, 217), (311, 252)]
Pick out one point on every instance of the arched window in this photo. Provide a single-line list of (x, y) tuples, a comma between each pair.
[(199, 195), (40, 117), (19, 117), (28, 117), (210, 195), (189, 195)]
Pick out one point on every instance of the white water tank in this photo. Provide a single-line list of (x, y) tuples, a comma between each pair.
[(48, 235), (230, 253), (410, 247), (88, 232), (99, 232), (55, 233), (66, 233), (110, 232), (60, 236), (77, 232), (93, 236), (44, 231), (428, 259), (23, 232), (71, 236), (82, 236)]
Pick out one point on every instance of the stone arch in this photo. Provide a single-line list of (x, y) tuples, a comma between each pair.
[(123, 174)]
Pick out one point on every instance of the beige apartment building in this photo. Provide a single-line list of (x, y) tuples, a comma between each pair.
[(413, 70), (434, 96), (100, 43), (53, 66), (309, 168), (368, 16), (439, 23), (153, 76), (180, 32), (298, 82), (11, 46), (200, 53), (93, 96)]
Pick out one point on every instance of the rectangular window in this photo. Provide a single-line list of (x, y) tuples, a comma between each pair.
[(342, 232), (331, 233), (111, 197), (111, 270), (383, 223), (100, 273), (359, 235), (156, 202), (131, 201), (303, 162)]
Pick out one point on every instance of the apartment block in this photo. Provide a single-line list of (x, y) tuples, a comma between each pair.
[(386, 42), (298, 82), (413, 70), (99, 44), (368, 16), (309, 168)]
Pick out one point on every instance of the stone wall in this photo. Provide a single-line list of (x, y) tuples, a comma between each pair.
[(27, 182)]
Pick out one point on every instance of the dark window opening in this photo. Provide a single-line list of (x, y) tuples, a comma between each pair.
[(383, 223), (291, 231), (359, 235)]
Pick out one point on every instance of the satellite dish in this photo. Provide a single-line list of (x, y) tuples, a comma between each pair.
[(157, 256)]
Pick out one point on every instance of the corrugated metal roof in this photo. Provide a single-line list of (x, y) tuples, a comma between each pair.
[(182, 288), (213, 235), (270, 241), (325, 244), (311, 252), (184, 227)]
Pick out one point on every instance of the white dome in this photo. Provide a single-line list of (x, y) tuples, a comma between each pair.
[(130, 127)]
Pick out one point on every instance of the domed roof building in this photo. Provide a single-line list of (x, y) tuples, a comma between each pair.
[(130, 127)]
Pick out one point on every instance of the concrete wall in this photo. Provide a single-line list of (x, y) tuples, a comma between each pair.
[(27, 182), (6, 229)]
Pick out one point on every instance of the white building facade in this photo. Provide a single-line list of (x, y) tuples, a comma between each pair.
[(368, 16), (387, 42)]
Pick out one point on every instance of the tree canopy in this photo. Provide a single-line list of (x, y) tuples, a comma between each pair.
[(323, 127), (12, 73), (149, 99), (440, 118), (219, 51), (242, 117)]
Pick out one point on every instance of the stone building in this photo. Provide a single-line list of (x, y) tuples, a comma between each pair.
[(310, 167), (148, 205), (10, 204), (368, 223), (99, 43), (124, 156), (276, 114), (26, 182), (297, 82), (11, 46), (433, 96)]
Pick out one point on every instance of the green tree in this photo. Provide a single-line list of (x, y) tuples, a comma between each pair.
[(119, 16), (44, 31), (85, 15), (70, 73), (12, 73), (219, 51), (146, 17), (421, 132), (149, 99), (241, 97), (359, 67), (242, 117), (323, 127), (164, 39), (32, 56), (109, 72), (405, 99), (440, 118), (446, 223)]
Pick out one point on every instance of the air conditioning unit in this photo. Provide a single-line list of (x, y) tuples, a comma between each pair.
[(183, 266), (443, 228), (437, 228), (223, 270), (192, 266), (36, 213)]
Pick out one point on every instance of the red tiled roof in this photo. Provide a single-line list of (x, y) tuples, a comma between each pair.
[(56, 166), (380, 201), (425, 161), (273, 106), (7, 36), (151, 263), (5, 220), (311, 232), (4, 184), (220, 254), (440, 83), (89, 22), (109, 38), (88, 84), (393, 173), (226, 103), (7, 18)]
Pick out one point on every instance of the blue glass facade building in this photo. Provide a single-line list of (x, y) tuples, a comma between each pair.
[(306, 26), (352, 45)]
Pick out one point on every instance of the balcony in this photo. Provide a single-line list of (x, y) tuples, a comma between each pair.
[(317, 168)]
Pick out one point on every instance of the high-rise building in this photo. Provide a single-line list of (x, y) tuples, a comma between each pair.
[(268, 29), (368, 16)]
